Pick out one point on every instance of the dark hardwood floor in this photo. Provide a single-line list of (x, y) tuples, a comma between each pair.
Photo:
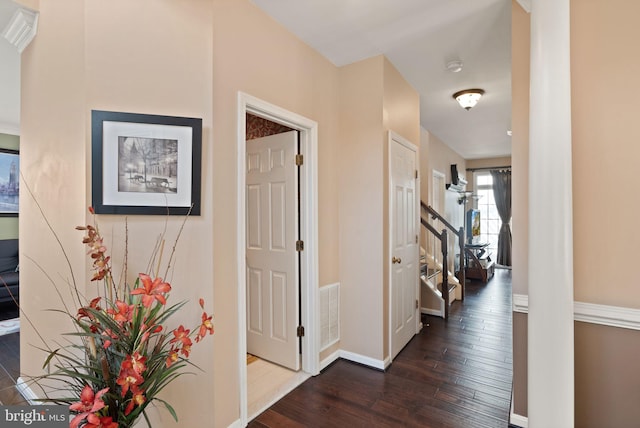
[(9, 359), (10, 370), (453, 374)]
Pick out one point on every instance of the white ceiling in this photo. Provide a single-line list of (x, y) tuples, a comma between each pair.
[(418, 36)]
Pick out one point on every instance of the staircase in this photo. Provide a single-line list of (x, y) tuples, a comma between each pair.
[(433, 302), (435, 276)]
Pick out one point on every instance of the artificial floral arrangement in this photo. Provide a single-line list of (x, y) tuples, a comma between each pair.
[(126, 354)]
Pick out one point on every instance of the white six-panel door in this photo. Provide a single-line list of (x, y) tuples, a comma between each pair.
[(403, 238), (272, 260)]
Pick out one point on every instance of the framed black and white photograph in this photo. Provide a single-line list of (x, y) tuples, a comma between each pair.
[(9, 182), (145, 164)]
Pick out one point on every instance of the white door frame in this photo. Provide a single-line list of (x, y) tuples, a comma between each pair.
[(308, 227), (409, 145)]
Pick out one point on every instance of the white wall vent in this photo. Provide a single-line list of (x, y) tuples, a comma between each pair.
[(329, 315)]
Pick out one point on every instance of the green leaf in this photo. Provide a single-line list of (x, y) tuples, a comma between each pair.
[(169, 408)]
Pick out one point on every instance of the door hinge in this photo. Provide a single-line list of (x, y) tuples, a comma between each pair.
[(416, 174), (417, 304), (300, 331), (416, 239), (299, 245), (299, 159)]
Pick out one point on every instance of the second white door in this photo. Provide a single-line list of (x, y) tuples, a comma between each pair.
[(403, 201), (272, 259)]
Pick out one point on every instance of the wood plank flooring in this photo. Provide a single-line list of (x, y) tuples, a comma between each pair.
[(10, 370), (453, 374)]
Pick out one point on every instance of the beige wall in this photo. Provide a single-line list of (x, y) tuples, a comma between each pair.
[(605, 150), (213, 50), (441, 157), (607, 379), (520, 30), (489, 162), (374, 98), (361, 207), (143, 68), (425, 172)]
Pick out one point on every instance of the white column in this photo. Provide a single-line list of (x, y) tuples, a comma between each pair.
[(550, 335)]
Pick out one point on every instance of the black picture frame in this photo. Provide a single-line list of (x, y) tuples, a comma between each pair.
[(145, 164), (9, 182)]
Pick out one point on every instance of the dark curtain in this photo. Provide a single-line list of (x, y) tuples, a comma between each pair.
[(502, 195)]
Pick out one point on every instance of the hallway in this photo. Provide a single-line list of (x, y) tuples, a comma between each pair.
[(453, 374)]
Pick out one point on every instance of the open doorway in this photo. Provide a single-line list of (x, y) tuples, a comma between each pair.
[(306, 358)]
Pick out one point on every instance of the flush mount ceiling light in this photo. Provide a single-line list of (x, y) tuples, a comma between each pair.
[(468, 98)]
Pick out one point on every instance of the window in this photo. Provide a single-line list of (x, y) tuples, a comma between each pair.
[(489, 219)]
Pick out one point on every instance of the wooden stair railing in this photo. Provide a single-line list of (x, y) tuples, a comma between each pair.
[(458, 232), (442, 236)]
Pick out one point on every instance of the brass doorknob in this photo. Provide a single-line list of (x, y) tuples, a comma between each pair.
[(396, 260)]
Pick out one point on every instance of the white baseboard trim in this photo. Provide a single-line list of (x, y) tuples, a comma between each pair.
[(521, 303), (367, 361), (236, 424), (433, 312), (519, 421), (611, 316), (329, 360), (27, 393)]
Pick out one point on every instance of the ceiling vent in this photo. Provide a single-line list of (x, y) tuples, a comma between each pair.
[(22, 28)]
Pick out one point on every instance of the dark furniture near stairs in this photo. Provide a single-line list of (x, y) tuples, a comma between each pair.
[(479, 263), (9, 276)]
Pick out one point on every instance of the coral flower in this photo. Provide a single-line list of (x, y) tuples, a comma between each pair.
[(124, 313), (172, 357), (128, 377), (185, 350), (181, 335), (205, 326), (90, 402), (84, 313), (152, 290), (138, 399), (137, 362), (94, 421), (147, 332)]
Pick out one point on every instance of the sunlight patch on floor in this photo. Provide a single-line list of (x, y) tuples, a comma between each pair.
[(267, 383)]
